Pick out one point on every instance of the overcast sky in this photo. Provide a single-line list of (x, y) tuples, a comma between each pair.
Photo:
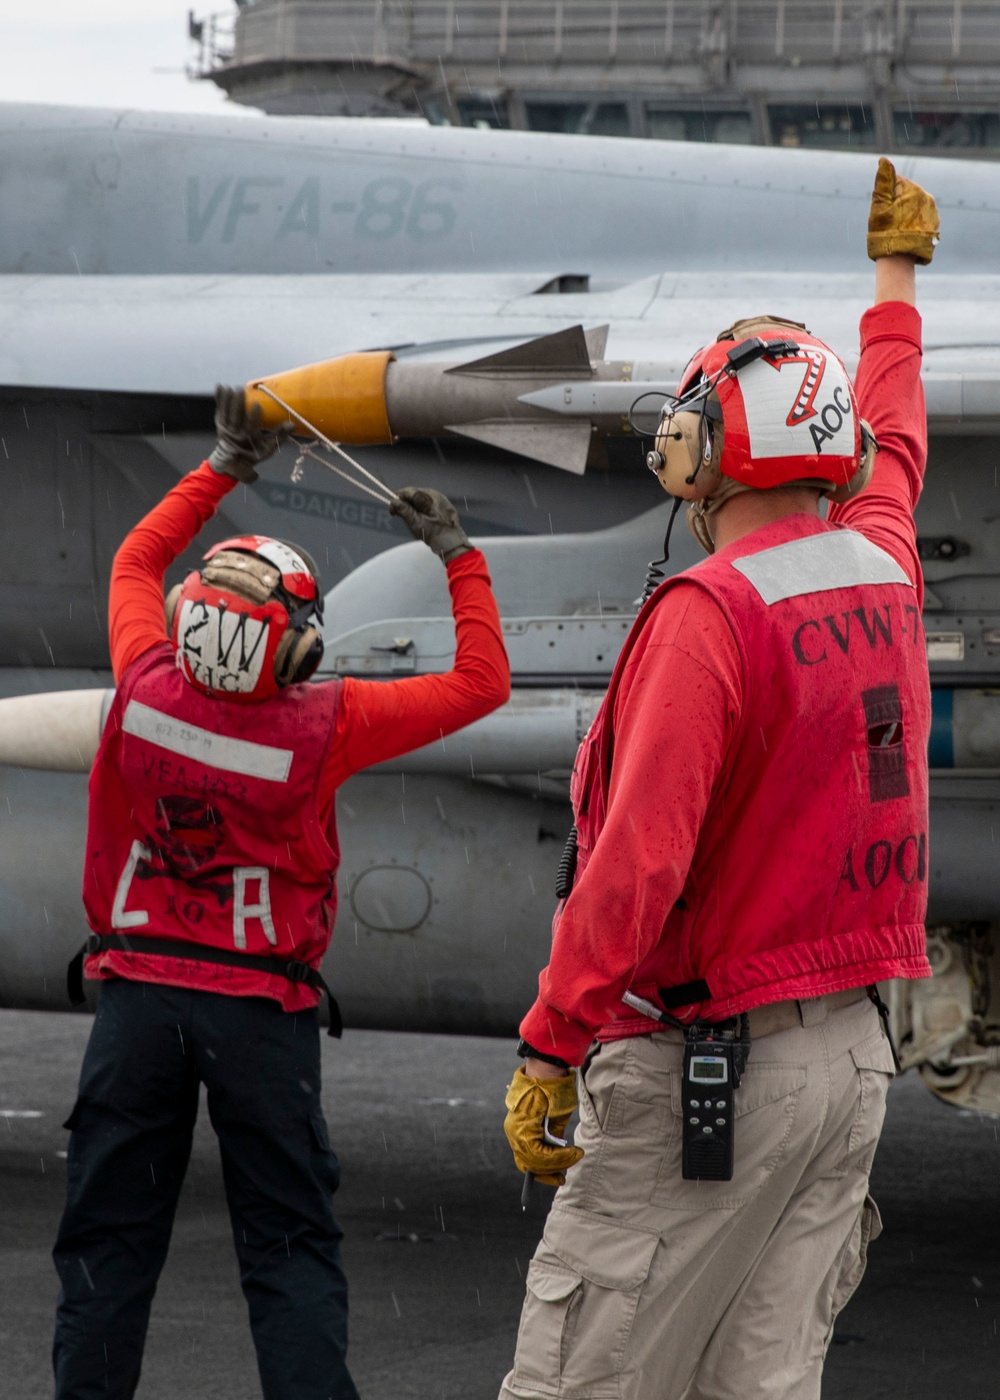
[(105, 53)]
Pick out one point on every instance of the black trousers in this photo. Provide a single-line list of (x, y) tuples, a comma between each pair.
[(150, 1048)]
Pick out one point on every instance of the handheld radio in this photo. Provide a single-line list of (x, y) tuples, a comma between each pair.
[(715, 1056), (710, 1078)]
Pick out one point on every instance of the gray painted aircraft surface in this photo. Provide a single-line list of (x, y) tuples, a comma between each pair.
[(88, 191), (531, 289)]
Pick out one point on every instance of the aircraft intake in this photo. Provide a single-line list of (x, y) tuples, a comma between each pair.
[(546, 399)]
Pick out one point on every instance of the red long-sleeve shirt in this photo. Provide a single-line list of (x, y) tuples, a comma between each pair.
[(678, 711), (377, 720)]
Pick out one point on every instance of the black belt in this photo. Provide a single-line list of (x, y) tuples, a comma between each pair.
[(288, 968)]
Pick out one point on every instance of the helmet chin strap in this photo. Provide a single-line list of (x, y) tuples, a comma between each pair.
[(700, 512)]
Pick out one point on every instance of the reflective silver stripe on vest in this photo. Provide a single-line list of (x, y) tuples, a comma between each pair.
[(838, 559), (215, 750)]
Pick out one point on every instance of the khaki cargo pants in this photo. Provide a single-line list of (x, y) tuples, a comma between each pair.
[(649, 1287)]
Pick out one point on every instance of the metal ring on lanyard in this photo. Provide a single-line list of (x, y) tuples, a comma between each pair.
[(385, 495)]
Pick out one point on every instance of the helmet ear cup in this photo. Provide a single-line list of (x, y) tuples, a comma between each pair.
[(681, 443), (170, 606), (840, 495), (298, 655)]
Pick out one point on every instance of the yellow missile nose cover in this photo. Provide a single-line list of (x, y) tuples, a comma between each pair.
[(344, 398)]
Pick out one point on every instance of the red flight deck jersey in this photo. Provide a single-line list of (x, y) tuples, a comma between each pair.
[(751, 800), (213, 820)]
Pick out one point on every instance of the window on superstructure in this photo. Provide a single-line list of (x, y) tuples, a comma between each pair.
[(483, 112), (578, 118), (834, 126), (674, 124), (946, 130)]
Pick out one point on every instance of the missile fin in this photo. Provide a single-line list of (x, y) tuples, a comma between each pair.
[(597, 339), (565, 353), (563, 445)]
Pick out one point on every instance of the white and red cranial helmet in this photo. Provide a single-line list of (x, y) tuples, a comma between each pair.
[(243, 625), (788, 413)]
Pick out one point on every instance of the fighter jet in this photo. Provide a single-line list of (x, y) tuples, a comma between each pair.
[(515, 308)]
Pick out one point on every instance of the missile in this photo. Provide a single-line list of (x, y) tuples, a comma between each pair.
[(965, 729), (552, 398), (58, 732), (538, 730)]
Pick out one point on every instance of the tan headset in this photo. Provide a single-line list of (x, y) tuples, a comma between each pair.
[(688, 450), (300, 648), (296, 657), (687, 455)]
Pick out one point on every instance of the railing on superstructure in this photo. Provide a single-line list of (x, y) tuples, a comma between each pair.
[(897, 74), (633, 32)]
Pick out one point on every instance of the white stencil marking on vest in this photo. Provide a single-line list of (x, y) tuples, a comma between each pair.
[(222, 648), (242, 911), (214, 750), (120, 916), (793, 411), (834, 559)]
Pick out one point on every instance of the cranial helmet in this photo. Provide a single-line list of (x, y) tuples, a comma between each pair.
[(243, 625), (765, 405)]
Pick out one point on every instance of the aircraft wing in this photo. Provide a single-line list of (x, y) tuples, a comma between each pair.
[(179, 336)]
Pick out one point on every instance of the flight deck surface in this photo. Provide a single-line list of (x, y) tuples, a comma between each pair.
[(436, 1244)]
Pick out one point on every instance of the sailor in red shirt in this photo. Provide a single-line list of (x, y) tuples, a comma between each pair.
[(210, 887), (751, 828)]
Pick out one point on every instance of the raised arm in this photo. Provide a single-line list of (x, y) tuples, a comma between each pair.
[(902, 231), (381, 719), (135, 606), (896, 279)]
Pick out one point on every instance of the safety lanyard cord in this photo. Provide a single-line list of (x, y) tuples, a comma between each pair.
[(307, 451), (389, 495)]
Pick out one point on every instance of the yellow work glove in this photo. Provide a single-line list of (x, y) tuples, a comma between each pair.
[(538, 1111), (903, 217)]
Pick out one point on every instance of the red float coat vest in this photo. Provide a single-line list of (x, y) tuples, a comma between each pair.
[(204, 826), (810, 871)]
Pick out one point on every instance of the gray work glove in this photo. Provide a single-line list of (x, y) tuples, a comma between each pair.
[(433, 519), (242, 441)]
